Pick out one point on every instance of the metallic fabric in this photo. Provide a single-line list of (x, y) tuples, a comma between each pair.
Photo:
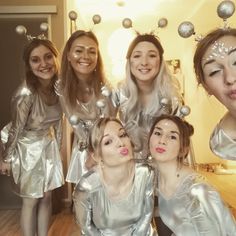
[(82, 118), (196, 209), (222, 145), (96, 214), (32, 144)]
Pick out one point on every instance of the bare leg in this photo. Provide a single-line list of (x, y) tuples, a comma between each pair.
[(44, 213), (28, 216)]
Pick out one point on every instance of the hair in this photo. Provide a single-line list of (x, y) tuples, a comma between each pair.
[(32, 80), (202, 47), (97, 132), (186, 130), (164, 84), (69, 80)]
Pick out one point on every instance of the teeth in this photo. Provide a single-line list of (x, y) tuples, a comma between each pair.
[(144, 71), (84, 64)]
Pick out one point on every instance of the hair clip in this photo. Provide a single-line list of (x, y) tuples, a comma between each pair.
[(73, 17), (21, 30), (224, 10)]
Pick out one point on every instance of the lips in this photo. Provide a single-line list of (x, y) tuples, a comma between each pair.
[(124, 151), (160, 150), (232, 94)]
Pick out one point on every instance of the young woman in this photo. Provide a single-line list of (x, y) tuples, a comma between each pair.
[(148, 91), (188, 205), (32, 148), (83, 94), (115, 198), (215, 68)]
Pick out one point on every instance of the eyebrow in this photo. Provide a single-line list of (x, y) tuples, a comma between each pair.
[(105, 135), (231, 51), (172, 131), (86, 47)]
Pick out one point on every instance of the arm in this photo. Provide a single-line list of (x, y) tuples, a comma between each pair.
[(214, 208), (21, 105), (143, 226), (83, 208)]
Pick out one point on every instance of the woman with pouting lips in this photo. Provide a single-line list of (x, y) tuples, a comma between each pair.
[(188, 205), (116, 197), (215, 68)]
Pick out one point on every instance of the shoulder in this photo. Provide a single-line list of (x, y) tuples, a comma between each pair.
[(22, 93), (144, 171), (89, 182)]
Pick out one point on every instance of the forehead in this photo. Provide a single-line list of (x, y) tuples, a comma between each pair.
[(112, 127), (145, 46), (167, 125), (41, 49), (223, 43), (84, 40)]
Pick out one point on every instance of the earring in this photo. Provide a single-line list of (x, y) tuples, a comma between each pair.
[(101, 163)]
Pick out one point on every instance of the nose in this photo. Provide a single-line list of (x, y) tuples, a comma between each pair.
[(144, 61), (119, 142), (229, 77), (86, 54), (43, 62), (162, 139)]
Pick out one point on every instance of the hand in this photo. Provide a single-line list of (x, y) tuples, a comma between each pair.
[(5, 168)]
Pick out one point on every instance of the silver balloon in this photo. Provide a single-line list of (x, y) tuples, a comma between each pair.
[(44, 26), (20, 29), (225, 9), (186, 29), (162, 23), (185, 110), (96, 19), (74, 120), (127, 23), (72, 15)]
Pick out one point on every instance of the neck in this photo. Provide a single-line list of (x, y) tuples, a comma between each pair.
[(145, 87)]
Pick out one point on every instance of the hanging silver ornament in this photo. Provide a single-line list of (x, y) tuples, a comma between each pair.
[(44, 27), (100, 103), (96, 19), (73, 15), (127, 23), (162, 23), (186, 29), (20, 29), (74, 120), (164, 102), (185, 110), (225, 9), (105, 91)]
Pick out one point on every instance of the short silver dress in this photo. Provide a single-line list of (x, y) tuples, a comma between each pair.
[(196, 209), (222, 145), (82, 118), (32, 141), (97, 214)]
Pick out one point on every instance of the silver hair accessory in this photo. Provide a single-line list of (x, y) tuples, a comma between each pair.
[(21, 30), (224, 10), (162, 23), (218, 50), (73, 17)]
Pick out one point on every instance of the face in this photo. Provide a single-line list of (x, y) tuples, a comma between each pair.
[(116, 147), (43, 63), (219, 69), (165, 142), (145, 62), (83, 55)]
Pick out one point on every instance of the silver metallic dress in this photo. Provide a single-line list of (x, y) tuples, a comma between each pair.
[(196, 209), (223, 145), (97, 214), (82, 118), (138, 127), (32, 142)]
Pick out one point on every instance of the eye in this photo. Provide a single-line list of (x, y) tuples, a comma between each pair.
[(93, 51), (49, 56), (214, 72), (234, 64), (157, 133), (107, 142), (153, 55), (123, 135), (173, 137), (35, 60)]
